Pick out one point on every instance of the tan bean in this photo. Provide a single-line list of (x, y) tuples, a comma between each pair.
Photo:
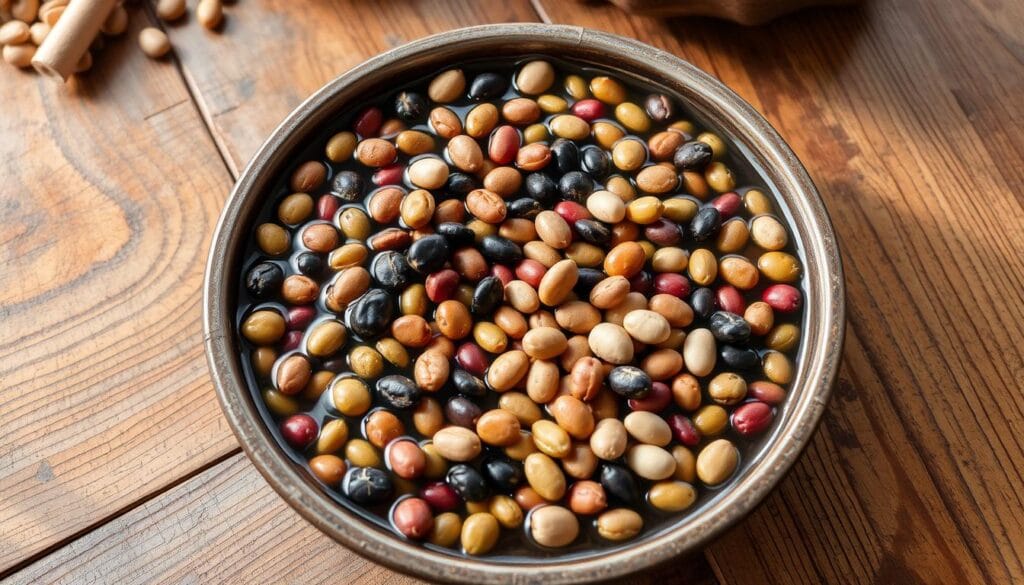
[(445, 123), (783, 337), (553, 230), (650, 462), (427, 173), (453, 319), (577, 317), (446, 530), (511, 322), (657, 179), (522, 448), (550, 438), (490, 337), (506, 511), (521, 406), (609, 439), (535, 77), (619, 524), (542, 381), (672, 496), (611, 343), (572, 415), (777, 367), (326, 338), (686, 464), (465, 153), (703, 267), (544, 343), (610, 292), (431, 371), (646, 326), (480, 533), (498, 427), (569, 126), (457, 443), (553, 526), (739, 272), (768, 232), (581, 462), (481, 120), (504, 181), (522, 296), (544, 476), (578, 347), (648, 428), (541, 252), (717, 462), (507, 370), (558, 282), (711, 420)]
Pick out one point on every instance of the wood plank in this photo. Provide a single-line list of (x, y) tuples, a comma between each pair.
[(915, 474), (111, 186), (226, 525)]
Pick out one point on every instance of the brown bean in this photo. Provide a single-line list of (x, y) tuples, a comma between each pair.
[(572, 415), (520, 405), (533, 157), (672, 308), (577, 317), (375, 152), (553, 229), (480, 533), (431, 371), (511, 322), (382, 427), (657, 179), (428, 418), (293, 373), (611, 343), (328, 468), (581, 462), (445, 122), (447, 86), (486, 205), (465, 153), (738, 271), (760, 317), (717, 462), (457, 443), (542, 381), (550, 438), (625, 260), (553, 526), (610, 292), (587, 498), (507, 370), (417, 208), (481, 120), (544, 343), (498, 427), (662, 364), (544, 476), (558, 282), (586, 378), (520, 111), (411, 331), (325, 338), (619, 524), (578, 347), (504, 181)]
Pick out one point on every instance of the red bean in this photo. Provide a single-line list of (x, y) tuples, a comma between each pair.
[(663, 233), (300, 317), (588, 109), (572, 212), (730, 299), (752, 418), (292, 339), (472, 359), (504, 273), (641, 282), (683, 430), (406, 459), (299, 430), (368, 122), (766, 392), (504, 145), (441, 285), (327, 206), (727, 204), (656, 400), (441, 496), (389, 175), (782, 297), (671, 283), (412, 518), (531, 272)]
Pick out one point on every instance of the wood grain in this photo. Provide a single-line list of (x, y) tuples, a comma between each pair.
[(226, 525), (902, 113), (111, 186)]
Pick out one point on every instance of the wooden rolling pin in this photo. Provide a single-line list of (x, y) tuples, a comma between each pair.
[(71, 36)]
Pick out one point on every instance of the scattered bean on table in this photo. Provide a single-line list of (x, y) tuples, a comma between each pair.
[(521, 298)]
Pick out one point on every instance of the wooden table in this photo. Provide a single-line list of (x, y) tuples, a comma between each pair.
[(116, 465)]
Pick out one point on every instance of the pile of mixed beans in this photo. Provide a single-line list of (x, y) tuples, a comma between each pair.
[(527, 307)]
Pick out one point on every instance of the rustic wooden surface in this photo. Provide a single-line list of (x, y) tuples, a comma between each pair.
[(116, 465)]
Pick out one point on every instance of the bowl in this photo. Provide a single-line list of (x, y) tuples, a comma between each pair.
[(717, 106)]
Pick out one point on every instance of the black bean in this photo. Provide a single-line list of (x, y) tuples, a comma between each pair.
[(369, 316), (462, 412), (739, 358), (502, 473), (348, 185), (391, 270), (692, 156), (334, 365), (565, 156), (309, 263), (587, 280), (541, 187), (705, 224), (410, 106), (620, 483), (575, 186), (524, 207), (499, 250), (264, 280), (489, 293), (593, 231), (468, 384), (460, 184), (428, 254), (398, 391), (729, 327), (457, 234), (366, 485), (488, 86), (596, 162), (660, 107), (703, 302), (629, 381), (467, 482)]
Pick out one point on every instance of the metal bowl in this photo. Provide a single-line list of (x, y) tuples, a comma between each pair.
[(725, 112)]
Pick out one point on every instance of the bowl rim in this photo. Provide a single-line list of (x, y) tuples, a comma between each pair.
[(818, 362)]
